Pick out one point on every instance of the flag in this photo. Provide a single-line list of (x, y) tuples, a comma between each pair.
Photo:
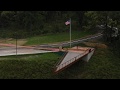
[(67, 22)]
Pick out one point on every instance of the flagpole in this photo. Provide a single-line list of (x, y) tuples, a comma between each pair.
[(70, 32)]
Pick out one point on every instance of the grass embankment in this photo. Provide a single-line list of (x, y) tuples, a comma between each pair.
[(52, 38), (48, 38), (38, 66), (103, 65)]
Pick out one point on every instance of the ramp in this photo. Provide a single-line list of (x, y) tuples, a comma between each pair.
[(8, 51), (73, 56)]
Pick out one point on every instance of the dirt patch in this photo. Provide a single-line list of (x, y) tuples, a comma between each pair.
[(13, 41), (96, 45), (21, 41)]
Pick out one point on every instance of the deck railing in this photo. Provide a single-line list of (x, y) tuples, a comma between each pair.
[(63, 56), (58, 67)]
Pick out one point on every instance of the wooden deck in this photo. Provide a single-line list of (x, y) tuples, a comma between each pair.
[(74, 54)]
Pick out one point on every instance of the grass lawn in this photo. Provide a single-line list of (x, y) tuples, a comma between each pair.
[(38, 66), (44, 39), (103, 65), (60, 37)]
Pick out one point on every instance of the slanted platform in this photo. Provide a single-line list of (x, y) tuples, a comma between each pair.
[(8, 51), (73, 55)]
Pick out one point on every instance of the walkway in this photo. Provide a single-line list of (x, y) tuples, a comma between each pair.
[(10, 49), (7, 51), (73, 42)]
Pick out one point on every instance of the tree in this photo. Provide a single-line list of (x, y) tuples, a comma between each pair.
[(7, 18), (80, 17)]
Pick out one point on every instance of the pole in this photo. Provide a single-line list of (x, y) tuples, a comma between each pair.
[(70, 32), (16, 44)]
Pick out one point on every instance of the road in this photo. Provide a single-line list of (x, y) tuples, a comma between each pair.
[(11, 49), (74, 42)]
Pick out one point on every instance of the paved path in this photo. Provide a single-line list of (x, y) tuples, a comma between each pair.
[(73, 42), (11, 49), (7, 51)]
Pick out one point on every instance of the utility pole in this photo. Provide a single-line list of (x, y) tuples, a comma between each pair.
[(16, 42)]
